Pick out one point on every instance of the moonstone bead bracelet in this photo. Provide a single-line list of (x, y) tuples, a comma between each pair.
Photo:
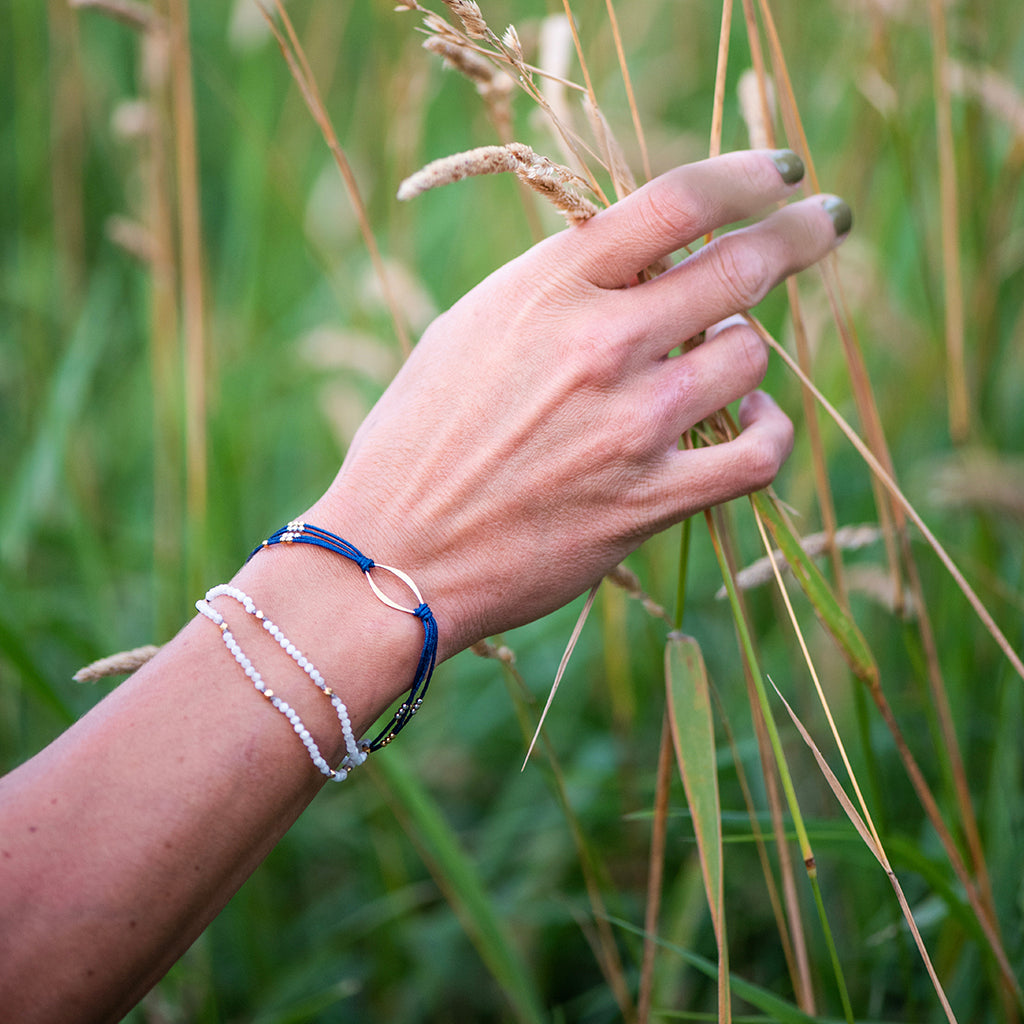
[(356, 755)]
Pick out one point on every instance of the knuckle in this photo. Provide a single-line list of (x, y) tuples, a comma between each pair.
[(753, 354), (744, 270), (762, 462), (663, 214)]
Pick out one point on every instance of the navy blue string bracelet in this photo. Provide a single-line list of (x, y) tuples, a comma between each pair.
[(298, 532)]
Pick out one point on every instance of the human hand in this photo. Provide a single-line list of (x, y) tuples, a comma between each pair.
[(531, 440)]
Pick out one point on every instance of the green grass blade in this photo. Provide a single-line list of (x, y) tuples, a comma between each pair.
[(32, 680), (836, 619), (38, 480), (778, 1009), (458, 878), (693, 735)]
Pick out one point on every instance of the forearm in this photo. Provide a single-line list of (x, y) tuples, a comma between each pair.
[(125, 837), (528, 445)]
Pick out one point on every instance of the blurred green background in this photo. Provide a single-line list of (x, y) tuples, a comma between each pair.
[(378, 903)]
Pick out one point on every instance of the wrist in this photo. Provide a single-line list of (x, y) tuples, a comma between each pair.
[(430, 563), (365, 651)]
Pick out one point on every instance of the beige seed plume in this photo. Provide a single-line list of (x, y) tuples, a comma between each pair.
[(514, 48), (996, 92), (485, 649), (847, 538), (556, 183), (469, 14), (752, 108), (461, 58), (121, 664), (628, 580)]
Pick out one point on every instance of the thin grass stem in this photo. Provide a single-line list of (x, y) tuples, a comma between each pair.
[(634, 112), (956, 369), (655, 873), (294, 55), (772, 758), (721, 75)]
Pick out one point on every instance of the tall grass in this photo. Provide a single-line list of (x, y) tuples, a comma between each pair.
[(192, 325)]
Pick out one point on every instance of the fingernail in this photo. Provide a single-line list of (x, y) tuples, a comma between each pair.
[(790, 166), (841, 214)]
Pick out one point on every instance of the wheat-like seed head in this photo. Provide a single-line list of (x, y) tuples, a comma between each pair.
[(121, 664), (748, 90), (513, 47), (555, 182), (608, 146), (470, 16), (461, 58), (624, 577), (846, 538)]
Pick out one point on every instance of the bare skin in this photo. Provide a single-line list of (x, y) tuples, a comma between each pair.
[(527, 446)]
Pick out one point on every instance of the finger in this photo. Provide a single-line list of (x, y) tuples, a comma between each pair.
[(697, 479), (733, 273), (675, 209), (730, 363)]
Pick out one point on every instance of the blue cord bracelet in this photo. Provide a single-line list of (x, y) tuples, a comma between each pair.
[(298, 532)]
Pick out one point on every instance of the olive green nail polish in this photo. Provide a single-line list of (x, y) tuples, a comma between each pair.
[(790, 166), (841, 214)]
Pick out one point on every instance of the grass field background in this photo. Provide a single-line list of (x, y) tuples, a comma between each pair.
[(443, 884)]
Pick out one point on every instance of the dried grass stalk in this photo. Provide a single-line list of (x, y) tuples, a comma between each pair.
[(555, 182), (608, 145), (628, 580), (494, 85), (128, 12), (502, 653), (121, 664)]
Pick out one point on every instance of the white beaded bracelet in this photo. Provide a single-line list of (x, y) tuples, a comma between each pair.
[(356, 754), (206, 609)]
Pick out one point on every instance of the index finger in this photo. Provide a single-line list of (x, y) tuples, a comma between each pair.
[(677, 208)]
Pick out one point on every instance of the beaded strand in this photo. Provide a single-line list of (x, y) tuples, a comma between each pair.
[(356, 755), (204, 608)]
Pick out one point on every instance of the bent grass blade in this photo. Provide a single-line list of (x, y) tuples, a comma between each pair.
[(806, 851), (693, 736), (866, 832), (864, 825)]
